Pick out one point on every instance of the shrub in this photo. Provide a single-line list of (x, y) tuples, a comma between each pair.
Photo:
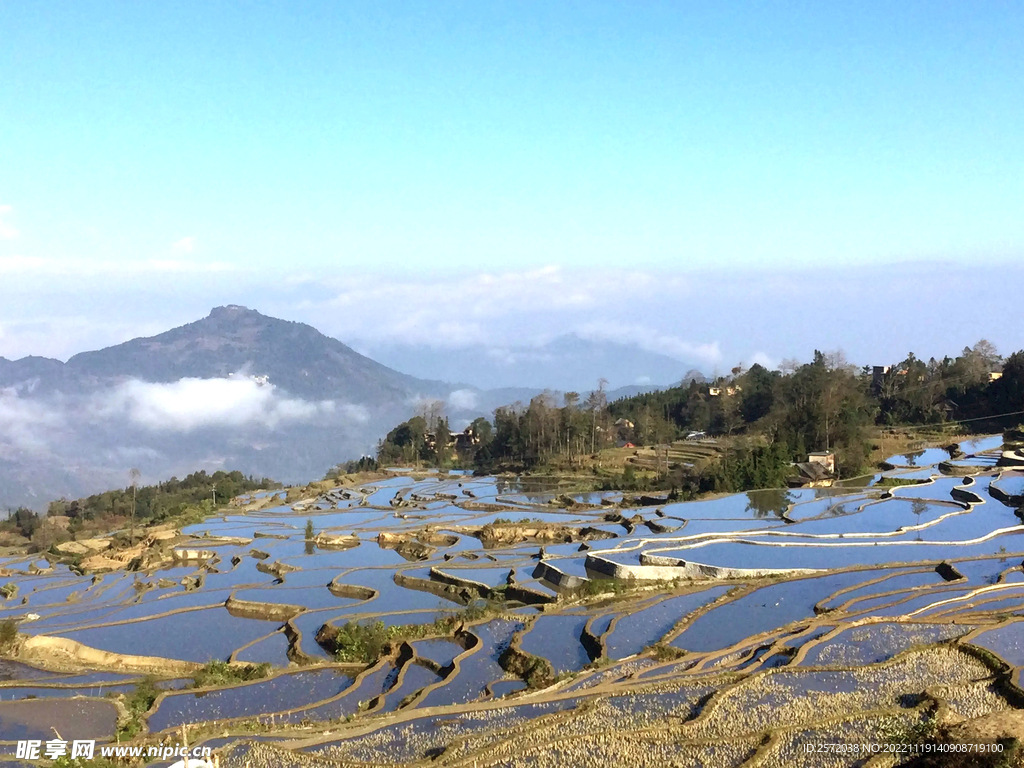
[(365, 642), (8, 633), (365, 464), (138, 703), (665, 652), (217, 672), (595, 587), (362, 641), (897, 482)]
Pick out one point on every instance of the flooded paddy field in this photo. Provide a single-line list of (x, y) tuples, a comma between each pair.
[(458, 620)]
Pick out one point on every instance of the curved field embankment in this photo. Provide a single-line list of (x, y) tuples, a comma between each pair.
[(62, 653)]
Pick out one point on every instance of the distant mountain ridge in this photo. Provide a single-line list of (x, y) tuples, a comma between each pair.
[(161, 404), (566, 363), (164, 404), (231, 339)]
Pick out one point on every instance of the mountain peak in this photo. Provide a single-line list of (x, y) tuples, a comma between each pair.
[(234, 321), (296, 357), (232, 311)]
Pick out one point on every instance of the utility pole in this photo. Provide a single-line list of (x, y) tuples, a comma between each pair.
[(214, 495)]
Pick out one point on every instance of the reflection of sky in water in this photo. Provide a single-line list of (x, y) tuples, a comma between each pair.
[(836, 505), (557, 638), (920, 474), (916, 601), (881, 517), (192, 636), (72, 718), (478, 669), (1007, 642), (1010, 484), (637, 630), (415, 678), (271, 650), (816, 554), (939, 490), (990, 443), (896, 582), (285, 691), (764, 609), (441, 651), (212, 633), (310, 597), (925, 458)]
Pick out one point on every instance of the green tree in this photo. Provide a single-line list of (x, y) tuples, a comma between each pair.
[(1008, 391), (442, 443), (758, 393), (25, 521)]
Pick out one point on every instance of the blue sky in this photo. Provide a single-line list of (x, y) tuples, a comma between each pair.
[(158, 155)]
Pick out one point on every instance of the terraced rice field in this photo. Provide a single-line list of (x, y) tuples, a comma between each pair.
[(523, 627)]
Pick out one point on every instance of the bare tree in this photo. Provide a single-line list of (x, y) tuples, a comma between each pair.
[(134, 474), (432, 411), (789, 365), (986, 351), (596, 402)]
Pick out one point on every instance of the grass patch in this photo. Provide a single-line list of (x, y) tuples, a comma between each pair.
[(920, 732), (9, 590), (364, 642), (595, 587), (218, 672), (665, 652), (138, 703), (896, 482), (524, 521)]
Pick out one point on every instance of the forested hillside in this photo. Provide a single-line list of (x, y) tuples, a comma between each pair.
[(197, 495), (826, 404)]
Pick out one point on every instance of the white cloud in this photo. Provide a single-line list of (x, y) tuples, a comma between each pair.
[(184, 245), (26, 425), (189, 404), (179, 266), (22, 264), (652, 340), (510, 357), (130, 455), (7, 231), (463, 399), (511, 308), (351, 412)]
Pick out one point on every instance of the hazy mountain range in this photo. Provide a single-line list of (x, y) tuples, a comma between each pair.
[(566, 363), (241, 390)]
